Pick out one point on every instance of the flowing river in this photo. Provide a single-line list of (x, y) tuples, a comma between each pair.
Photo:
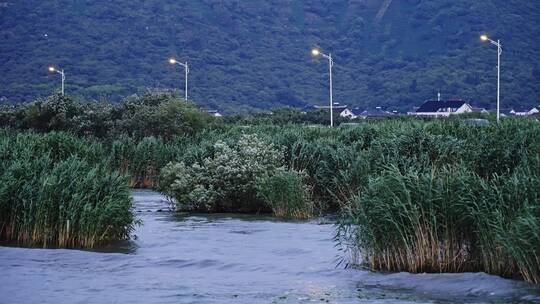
[(228, 259)]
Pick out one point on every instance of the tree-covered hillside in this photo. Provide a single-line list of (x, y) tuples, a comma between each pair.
[(255, 54)]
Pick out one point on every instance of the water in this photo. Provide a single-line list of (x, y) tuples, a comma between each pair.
[(228, 259)]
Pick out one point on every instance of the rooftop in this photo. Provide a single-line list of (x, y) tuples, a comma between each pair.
[(435, 105)]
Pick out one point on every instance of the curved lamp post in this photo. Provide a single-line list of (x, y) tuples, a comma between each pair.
[(61, 72), (186, 71), (317, 53), (499, 52)]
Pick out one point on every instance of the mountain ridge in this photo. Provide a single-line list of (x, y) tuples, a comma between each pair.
[(255, 54)]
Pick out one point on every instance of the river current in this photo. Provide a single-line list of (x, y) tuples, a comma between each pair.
[(178, 258)]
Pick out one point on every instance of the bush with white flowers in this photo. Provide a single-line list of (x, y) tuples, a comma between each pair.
[(227, 180)]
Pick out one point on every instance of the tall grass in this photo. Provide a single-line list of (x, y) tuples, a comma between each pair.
[(417, 222), (437, 196), (142, 160), (55, 192), (287, 194), (448, 219)]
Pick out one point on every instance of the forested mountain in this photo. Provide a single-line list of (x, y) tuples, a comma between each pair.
[(255, 54)]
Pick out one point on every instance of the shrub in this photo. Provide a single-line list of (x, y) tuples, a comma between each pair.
[(51, 113), (225, 181), (158, 114)]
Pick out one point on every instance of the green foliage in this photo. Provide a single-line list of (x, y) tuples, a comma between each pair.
[(158, 113), (143, 159), (285, 116), (224, 181), (287, 194), (49, 114), (415, 221), (448, 220), (415, 195), (507, 219), (93, 118), (154, 113), (255, 54), (53, 192), (448, 197)]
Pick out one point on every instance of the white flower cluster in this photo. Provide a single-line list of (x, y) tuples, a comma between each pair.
[(226, 181)]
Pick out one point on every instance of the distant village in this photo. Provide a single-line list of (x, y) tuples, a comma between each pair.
[(430, 108)]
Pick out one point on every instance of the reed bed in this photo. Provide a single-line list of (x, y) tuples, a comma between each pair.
[(54, 192), (446, 197), (287, 194), (142, 159), (413, 195)]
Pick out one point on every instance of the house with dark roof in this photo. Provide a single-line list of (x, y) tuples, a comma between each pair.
[(442, 108), (521, 111)]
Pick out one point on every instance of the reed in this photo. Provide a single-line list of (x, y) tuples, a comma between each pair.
[(287, 194), (448, 220), (142, 160), (55, 193)]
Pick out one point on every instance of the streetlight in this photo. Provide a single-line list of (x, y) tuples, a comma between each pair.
[(186, 70), (497, 43), (61, 72), (316, 52)]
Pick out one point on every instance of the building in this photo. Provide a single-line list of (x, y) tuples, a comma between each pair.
[(350, 113), (479, 110), (442, 108), (504, 112), (518, 112), (214, 113), (378, 112), (336, 107), (521, 111)]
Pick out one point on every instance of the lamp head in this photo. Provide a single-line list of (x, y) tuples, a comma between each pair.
[(484, 37), (315, 52), (51, 69), (172, 61)]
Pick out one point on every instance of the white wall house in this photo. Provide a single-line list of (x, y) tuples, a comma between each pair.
[(214, 113), (442, 108), (378, 112), (347, 113)]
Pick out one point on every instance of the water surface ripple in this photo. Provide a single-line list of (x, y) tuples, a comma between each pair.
[(228, 259)]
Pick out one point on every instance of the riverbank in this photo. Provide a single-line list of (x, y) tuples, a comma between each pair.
[(412, 195)]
